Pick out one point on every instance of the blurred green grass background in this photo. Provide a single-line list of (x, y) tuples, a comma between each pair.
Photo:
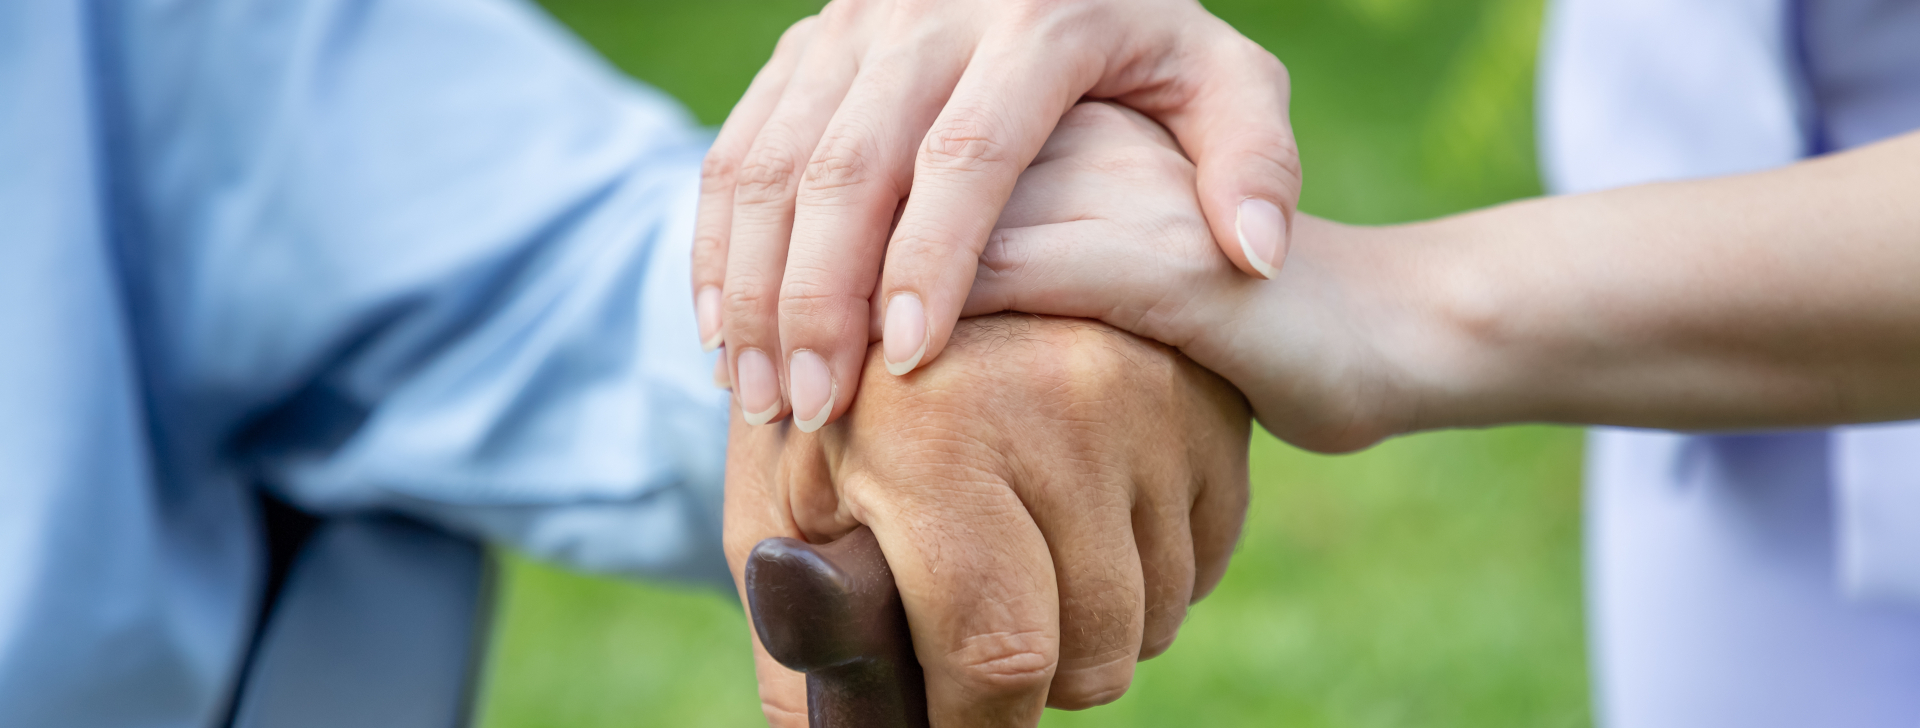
[(1432, 581)]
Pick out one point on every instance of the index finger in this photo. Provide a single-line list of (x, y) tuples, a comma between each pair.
[(973, 569), (980, 593), (1000, 114), (714, 219)]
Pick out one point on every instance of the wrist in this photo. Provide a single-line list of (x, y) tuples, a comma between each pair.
[(1322, 350), (1463, 350), (1372, 332)]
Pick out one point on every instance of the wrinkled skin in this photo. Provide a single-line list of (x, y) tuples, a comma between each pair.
[(1051, 494)]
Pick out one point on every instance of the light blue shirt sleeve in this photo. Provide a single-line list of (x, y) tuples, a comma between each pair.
[(422, 255), (428, 256)]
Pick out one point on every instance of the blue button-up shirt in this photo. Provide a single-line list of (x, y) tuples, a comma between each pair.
[(426, 255)]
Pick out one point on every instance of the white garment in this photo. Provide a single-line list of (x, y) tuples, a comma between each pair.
[(1760, 579)]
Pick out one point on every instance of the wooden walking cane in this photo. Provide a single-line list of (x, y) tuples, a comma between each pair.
[(832, 611)]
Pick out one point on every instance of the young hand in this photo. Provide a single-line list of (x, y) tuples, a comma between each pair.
[(806, 190), (1782, 298), (1105, 225)]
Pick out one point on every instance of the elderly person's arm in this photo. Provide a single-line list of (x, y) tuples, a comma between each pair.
[(1051, 494), (419, 256)]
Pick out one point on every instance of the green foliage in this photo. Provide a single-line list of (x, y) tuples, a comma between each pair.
[(1433, 581)]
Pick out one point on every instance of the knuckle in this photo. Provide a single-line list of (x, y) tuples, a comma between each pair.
[(1119, 360), (1003, 257), (718, 168), (767, 175), (781, 715), (1078, 700), (819, 307), (1092, 686), (840, 15), (1264, 61), (1163, 618), (1283, 153), (918, 253), (1247, 50), (1005, 664), (709, 249), (843, 160), (1275, 151), (744, 302), (964, 142), (834, 12), (796, 33), (1156, 646)]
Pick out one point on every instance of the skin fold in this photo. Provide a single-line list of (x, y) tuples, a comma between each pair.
[(1051, 495)]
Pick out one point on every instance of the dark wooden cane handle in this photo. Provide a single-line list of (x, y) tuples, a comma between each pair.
[(832, 612)]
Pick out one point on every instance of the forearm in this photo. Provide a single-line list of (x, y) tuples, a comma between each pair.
[(1784, 298)]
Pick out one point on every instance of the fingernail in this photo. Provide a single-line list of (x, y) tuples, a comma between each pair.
[(813, 389), (720, 371), (905, 334), (758, 388), (1259, 226), (706, 310)]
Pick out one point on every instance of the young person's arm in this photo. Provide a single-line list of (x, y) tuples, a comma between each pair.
[(1783, 298)]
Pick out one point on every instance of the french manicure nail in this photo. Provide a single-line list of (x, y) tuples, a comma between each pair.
[(758, 388), (813, 389), (1259, 226), (706, 310), (905, 334)]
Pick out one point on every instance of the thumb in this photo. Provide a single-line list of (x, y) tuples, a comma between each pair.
[(1231, 118)]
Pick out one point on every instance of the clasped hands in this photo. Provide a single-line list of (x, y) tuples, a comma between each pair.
[(1696, 305), (1051, 493)]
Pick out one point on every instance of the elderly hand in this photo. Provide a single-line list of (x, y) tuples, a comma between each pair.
[(1051, 495), (806, 189)]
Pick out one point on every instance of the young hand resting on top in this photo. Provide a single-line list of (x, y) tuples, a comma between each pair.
[(1775, 299)]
